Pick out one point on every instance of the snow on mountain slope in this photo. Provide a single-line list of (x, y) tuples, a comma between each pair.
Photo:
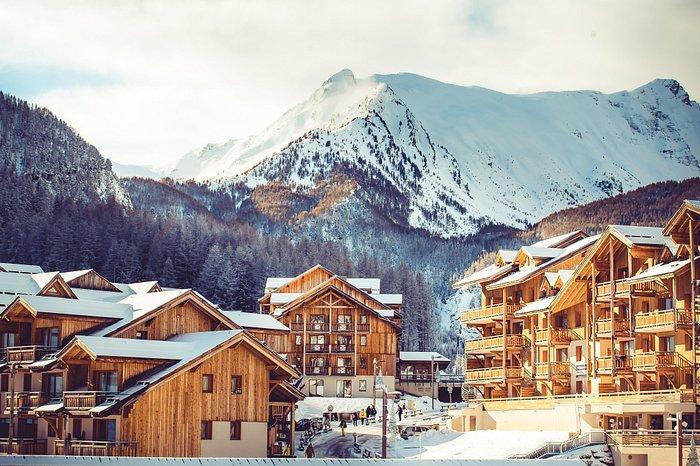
[(449, 158)]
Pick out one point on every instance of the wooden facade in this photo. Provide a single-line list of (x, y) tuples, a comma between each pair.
[(341, 336)]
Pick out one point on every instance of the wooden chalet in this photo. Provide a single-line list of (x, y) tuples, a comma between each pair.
[(422, 373), (190, 382), (343, 330)]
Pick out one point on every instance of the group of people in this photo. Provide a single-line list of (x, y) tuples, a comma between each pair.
[(364, 415)]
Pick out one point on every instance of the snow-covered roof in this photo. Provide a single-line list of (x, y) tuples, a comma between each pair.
[(490, 272), (254, 320), (527, 272), (102, 295), (541, 253), (534, 307), (506, 255), (642, 235), (142, 287), (660, 270), (140, 349), (272, 283), (555, 241), (566, 274), (21, 283), (20, 268), (372, 284), (387, 313), (551, 277), (76, 307), (283, 298), (389, 299), (422, 356), (72, 275)]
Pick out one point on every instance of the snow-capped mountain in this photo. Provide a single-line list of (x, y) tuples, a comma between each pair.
[(449, 159)]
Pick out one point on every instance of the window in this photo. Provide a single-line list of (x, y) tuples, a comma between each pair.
[(316, 387), (363, 363), (363, 319), (106, 429), (207, 383), (298, 319), (27, 383), (49, 337), (235, 430), (4, 383), (297, 340), (107, 381), (8, 339), (236, 385), (142, 335), (206, 430), (363, 385), (363, 340), (53, 385)]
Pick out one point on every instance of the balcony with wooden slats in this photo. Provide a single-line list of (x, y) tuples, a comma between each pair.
[(558, 370), (346, 327), (94, 448), (662, 320), (659, 361), (316, 370), (621, 363), (605, 289), (24, 401), (344, 370), (558, 336), (486, 314), (26, 354), (347, 348), (83, 401), (491, 344), (603, 327), (23, 446), (317, 348), (492, 375)]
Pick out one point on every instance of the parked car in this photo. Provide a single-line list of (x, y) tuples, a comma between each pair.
[(302, 425), (409, 431)]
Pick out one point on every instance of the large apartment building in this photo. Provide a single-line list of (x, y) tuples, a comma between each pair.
[(344, 331), (604, 338), (91, 367)]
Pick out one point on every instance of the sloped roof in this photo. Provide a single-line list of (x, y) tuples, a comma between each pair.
[(491, 272), (641, 235), (31, 284), (139, 349), (556, 241), (422, 356), (506, 255), (660, 270), (534, 307), (541, 253), (74, 307), (20, 268), (551, 278), (255, 320), (390, 299)]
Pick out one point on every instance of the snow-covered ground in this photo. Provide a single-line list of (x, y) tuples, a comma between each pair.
[(315, 406)]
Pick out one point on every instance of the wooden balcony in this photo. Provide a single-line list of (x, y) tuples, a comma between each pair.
[(415, 378), (658, 361), (94, 448), (621, 363), (622, 288), (558, 369), (25, 401), (347, 348), (494, 344), (23, 446), (26, 354), (296, 326), (345, 370), (604, 326), (662, 320), (488, 314), (362, 328), (317, 327), (492, 375), (650, 288), (84, 401), (316, 370), (317, 348), (558, 336), (343, 328)]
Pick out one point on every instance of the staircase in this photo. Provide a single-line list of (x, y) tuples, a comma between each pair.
[(594, 437)]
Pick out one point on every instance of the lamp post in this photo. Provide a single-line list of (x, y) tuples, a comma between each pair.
[(379, 385), (679, 436), (432, 380)]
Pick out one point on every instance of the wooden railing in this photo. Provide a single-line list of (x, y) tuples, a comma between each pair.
[(621, 326), (658, 359), (662, 318), (23, 446), (316, 370), (84, 401), (363, 328), (345, 370), (94, 448), (558, 369), (415, 378), (347, 348), (605, 288), (493, 311), (296, 326), (344, 327), (317, 348), (621, 363), (494, 343), (651, 438), (25, 401), (317, 327), (493, 373), (27, 354), (650, 287)]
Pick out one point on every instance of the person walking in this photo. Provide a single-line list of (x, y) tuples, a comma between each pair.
[(363, 416), (355, 416), (370, 413), (343, 426), (310, 451), (399, 411)]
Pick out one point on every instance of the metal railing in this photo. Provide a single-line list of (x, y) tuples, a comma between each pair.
[(594, 437)]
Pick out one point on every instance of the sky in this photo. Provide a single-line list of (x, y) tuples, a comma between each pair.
[(147, 81)]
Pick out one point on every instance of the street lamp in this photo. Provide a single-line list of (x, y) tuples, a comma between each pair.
[(679, 436), (379, 385)]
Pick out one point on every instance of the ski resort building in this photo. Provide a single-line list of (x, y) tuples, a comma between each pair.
[(344, 331), (606, 341), (91, 367), (422, 373)]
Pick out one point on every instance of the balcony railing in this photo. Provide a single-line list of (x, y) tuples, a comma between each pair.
[(494, 343), (487, 313), (296, 326), (653, 438), (492, 374), (663, 319), (363, 328), (558, 336), (619, 362), (603, 326), (23, 446), (25, 401), (27, 354), (655, 360), (344, 327), (415, 378), (317, 348), (316, 370), (94, 448), (558, 369), (346, 348), (647, 288), (317, 327), (84, 401), (345, 370), (605, 289)]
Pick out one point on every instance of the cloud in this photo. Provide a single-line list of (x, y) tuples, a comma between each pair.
[(148, 81)]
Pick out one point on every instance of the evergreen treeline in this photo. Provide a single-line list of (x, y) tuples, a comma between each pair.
[(227, 262)]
